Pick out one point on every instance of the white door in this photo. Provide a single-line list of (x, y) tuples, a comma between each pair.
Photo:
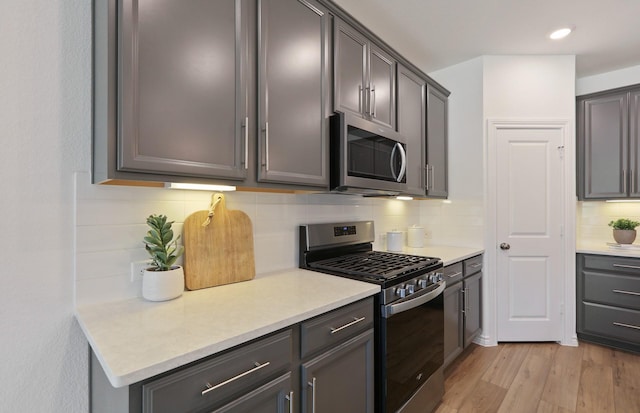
[(529, 211)]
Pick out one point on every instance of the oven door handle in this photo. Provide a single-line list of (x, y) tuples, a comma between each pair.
[(425, 297)]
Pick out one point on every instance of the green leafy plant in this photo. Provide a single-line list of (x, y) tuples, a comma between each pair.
[(159, 243), (624, 223)]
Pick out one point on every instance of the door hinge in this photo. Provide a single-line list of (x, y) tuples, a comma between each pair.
[(561, 151), (561, 231)]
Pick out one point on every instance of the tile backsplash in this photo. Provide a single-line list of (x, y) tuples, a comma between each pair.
[(111, 222), (593, 217)]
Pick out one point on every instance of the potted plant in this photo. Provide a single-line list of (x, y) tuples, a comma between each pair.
[(624, 230), (163, 280)]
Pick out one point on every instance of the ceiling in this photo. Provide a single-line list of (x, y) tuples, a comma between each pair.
[(434, 34)]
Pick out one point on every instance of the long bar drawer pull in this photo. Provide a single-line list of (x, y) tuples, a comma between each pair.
[(355, 321), (257, 367), (633, 267), (626, 325), (454, 274), (476, 265), (626, 292)]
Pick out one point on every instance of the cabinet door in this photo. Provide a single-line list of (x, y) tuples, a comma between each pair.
[(381, 88), (472, 307), (634, 144), (340, 380), (350, 68), (182, 95), (293, 87), (604, 146), (453, 323), (411, 125), (274, 397), (437, 118)]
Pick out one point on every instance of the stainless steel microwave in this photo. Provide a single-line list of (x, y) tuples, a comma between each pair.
[(366, 158)]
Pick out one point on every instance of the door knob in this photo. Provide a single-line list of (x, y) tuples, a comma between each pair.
[(504, 246)]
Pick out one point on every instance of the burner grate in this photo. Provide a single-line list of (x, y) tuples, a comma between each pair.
[(375, 264)]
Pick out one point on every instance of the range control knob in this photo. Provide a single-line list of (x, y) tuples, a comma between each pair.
[(422, 283), (411, 288), (435, 277), (401, 291)]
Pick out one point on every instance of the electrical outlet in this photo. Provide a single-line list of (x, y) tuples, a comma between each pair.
[(427, 234), (137, 268)]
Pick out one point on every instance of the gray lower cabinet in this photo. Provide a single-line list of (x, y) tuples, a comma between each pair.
[(608, 300), (364, 76), (411, 122), (437, 182), (462, 306), (272, 374), (293, 81), (608, 143)]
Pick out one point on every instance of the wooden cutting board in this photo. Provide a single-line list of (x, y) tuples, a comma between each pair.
[(220, 252)]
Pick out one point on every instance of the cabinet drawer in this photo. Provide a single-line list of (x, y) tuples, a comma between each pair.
[(222, 378), (336, 326), (620, 265), (472, 265), (452, 273), (616, 323), (617, 290)]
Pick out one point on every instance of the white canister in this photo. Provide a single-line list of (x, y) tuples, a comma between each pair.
[(394, 241), (415, 236)]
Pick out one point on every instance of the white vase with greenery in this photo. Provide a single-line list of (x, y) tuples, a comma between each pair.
[(163, 280)]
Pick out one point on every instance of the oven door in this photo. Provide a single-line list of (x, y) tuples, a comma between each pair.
[(414, 341)]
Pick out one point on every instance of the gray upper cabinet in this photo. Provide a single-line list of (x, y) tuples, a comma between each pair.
[(364, 76), (411, 124), (182, 92), (437, 184), (293, 90), (634, 143), (603, 145)]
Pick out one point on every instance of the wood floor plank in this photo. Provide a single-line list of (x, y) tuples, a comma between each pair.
[(524, 394), (464, 376), (505, 367), (484, 398), (597, 354), (563, 381), (443, 408), (546, 407), (626, 381), (595, 394)]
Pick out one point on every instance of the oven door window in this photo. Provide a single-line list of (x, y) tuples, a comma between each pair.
[(376, 157), (415, 350)]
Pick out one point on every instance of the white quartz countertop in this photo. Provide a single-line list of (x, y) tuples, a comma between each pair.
[(448, 254), (602, 248), (137, 339)]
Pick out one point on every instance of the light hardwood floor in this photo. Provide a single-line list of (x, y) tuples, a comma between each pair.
[(542, 378)]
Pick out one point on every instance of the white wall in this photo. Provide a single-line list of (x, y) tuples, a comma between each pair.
[(610, 80), (45, 108)]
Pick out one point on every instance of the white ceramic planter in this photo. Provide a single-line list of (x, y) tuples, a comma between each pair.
[(624, 236), (163, 285)]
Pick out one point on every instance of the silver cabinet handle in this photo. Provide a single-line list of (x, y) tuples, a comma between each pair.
[(257, 367), (246, 142), (464, 300), (626, 292), (355, 321), (361, 99), (633, 267), (626, 325), (312, 384), (433, 176), (426, 168), (467, 308), (289, 397), (624, 180), (632, 180), (266, 146), (372, 93), (455, 274), (367, 101), (476, 265)]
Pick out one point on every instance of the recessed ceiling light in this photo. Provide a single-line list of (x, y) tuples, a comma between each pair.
[(560, 33)]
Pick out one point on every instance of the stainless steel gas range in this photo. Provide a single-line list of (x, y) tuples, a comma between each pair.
[(409, 350)]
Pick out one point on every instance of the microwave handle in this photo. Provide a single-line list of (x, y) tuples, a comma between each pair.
[(403, 168), (392, 163)]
